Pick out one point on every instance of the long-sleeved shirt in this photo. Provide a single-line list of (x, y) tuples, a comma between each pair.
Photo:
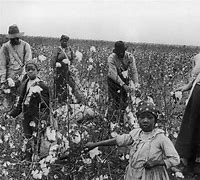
[(13, 58), (150, 146), (116, 66)]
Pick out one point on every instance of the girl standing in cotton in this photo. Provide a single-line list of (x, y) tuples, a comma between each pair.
[(151, 152)]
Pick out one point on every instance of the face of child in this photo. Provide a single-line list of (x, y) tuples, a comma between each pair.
[(63, 43), (146, 121), (31, 71), (121, 54)]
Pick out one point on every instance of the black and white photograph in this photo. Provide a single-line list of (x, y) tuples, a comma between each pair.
[(99, 89)]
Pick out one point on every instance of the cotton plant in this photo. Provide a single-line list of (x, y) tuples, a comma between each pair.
[(177, 96), (114, 134), (42, 58), (58, 64), (76, 138), (94, 152), (90, 67), (7, 137), (51, 134), (32, 90), (74, 112), (3, 128), (79, 56), (150, 100), (101, 177), (90, 60), (92, 93), (178, 175), (11, 82), (113, 126), (37, 174), (64, 145), (93, 49), (125, 74), (66, 61), (7, 91)]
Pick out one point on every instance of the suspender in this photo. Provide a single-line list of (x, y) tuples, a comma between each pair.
[(16, 56), (66, 54)]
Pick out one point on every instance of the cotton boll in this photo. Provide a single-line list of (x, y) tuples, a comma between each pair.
[(58, 64), (51, 134), (92, 49), (125, 74), (150, 100), (41, 58), (94, 152), (7, 91), (77, 137), (35, 89), (87, 161), (32, 123), (79, 56), (11, 83), (114, 134), (179, 175), (178, 95), (66, 61)]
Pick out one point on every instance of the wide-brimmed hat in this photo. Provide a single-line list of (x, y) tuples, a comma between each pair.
[(120, 46), (145, 106), (64, 37), (13, 32)]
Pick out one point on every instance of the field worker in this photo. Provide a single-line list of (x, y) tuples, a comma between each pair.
[(62, 63), (13, 55), (188, 140), (34, 104), (120, 61), (151, 152)]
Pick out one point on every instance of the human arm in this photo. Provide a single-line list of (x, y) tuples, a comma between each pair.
[(110, 142), (112, 71), (171, 155), (169, 158), (28, 52), (17, 109), (133, 71), (119, 140), (185, 87), (153, 163), (4, 56)]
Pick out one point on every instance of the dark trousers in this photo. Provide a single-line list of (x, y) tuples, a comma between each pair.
[(62, 91), (118, 101)]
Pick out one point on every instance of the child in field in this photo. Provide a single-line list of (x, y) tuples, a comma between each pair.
[(62, 60), (34, 104), (151, 152)]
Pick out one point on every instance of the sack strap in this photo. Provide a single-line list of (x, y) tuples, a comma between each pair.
[(66, 54), (63, 51), (16, 55)]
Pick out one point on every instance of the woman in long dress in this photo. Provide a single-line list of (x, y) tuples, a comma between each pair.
[(188, 140)]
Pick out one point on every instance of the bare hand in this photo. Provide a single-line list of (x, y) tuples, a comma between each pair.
[(127, 88), (89, 146), (152, 163)]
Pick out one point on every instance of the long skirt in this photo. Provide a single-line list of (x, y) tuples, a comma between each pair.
[(188, 141)]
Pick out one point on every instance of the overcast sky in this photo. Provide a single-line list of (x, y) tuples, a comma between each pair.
[(153, 21)]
